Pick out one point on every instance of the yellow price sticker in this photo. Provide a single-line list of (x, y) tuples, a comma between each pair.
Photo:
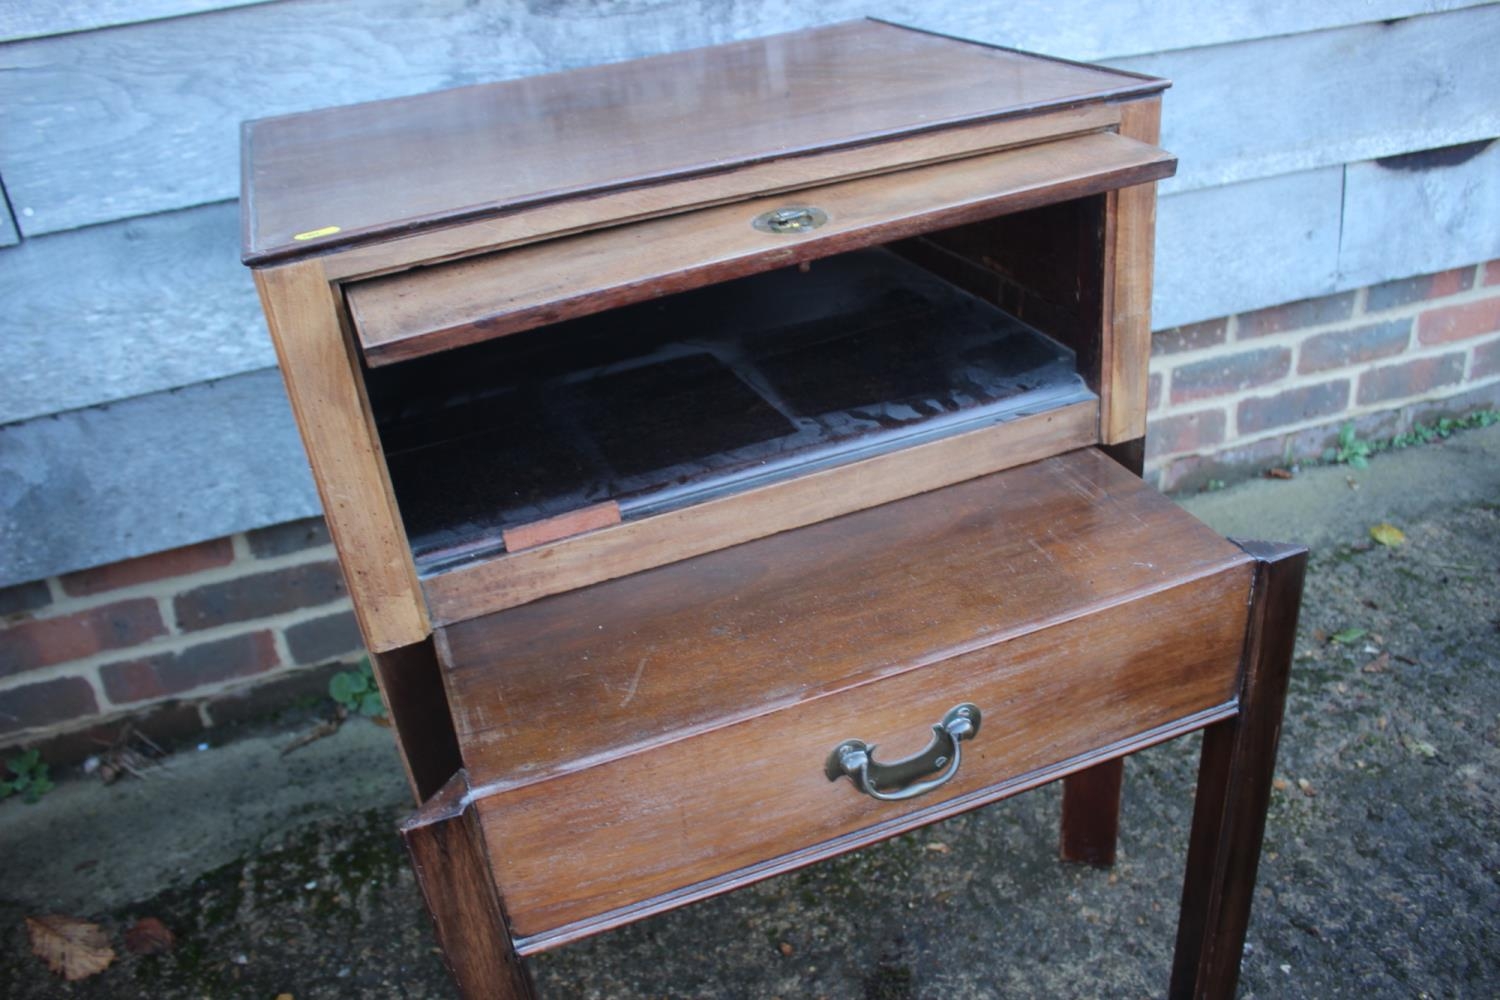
[(313, 234)]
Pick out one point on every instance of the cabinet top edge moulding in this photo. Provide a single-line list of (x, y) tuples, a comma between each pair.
[(700, 126)]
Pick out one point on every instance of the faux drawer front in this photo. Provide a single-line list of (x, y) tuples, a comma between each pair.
[(583, 850), (438, 308)]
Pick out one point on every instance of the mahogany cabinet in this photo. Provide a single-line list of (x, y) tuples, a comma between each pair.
[(733, 457)]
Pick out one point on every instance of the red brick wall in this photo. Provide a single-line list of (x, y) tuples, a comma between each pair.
[(187, 630), (1237, 395), (184, 635)]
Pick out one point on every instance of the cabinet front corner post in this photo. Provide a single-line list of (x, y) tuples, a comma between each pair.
[(448, 853), (1235, 773), (320, 366)]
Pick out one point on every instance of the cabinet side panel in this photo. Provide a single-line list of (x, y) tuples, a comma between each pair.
[(322, 381)]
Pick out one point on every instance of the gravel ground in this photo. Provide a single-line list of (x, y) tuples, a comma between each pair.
[(284, 876)]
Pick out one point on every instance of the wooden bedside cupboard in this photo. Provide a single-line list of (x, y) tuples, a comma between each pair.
[(734, 460)]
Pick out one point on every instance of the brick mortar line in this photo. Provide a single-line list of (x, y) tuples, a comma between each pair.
[(1362, 315), (1294, 339), (1313, 423), (169, 587), (1350, 413), (239, 544), (283, 647), (176, 643), (1297, 380), (111, 713), (166, 607), (202, 697), (1359, 307), (1359, 317)]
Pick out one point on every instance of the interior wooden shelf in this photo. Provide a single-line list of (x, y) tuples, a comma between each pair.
[(665, 404)]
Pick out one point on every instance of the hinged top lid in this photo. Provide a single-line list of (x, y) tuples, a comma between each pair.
[(345, 175)]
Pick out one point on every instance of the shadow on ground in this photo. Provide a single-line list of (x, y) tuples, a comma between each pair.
[(283, 875)]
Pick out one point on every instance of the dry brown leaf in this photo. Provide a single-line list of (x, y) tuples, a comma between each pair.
[(1388, 535), (1279, 473), (148, 936), (938, 847), (72, 948), (1379, 665), (1307, 787), (785, 948)]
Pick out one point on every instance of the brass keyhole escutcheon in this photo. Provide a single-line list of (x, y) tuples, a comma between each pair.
[(789, 220)]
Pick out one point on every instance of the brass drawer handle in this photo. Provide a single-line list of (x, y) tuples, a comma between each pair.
[(856, 758)]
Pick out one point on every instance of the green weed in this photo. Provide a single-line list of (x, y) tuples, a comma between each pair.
[(31, 780), (355, 690)]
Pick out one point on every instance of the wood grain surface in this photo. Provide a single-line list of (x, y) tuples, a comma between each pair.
[(140, 118), (411, 684), (1130, 241), (563, 218), (382, 168), (517, 578), (40, 18), (809, 611), (1235, 772), (433, 309), (1331, 99), (452, 866), (641, 825), (327, 395)]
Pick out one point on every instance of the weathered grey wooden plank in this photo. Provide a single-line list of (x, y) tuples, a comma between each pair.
[(109, 124), (126, 309), (161, 302), (1083, 29), (1279, 105), (94, 486), (1119, 30), (1227, 249), (39, 18), (1420, 213), (169, 468), (9, 237)]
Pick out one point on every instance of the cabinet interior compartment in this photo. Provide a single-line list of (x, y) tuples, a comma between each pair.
[(665, 403)]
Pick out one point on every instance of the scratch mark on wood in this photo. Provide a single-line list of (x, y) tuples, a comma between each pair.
[(630, 691)]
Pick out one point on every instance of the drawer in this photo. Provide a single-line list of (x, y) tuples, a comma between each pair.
[(664, 737)]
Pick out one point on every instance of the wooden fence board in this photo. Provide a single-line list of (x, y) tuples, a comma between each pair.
[(126, 309), (129, 331), (1420, 214), (102, 125), (1227, 249), (1281, 105), (39, 18), (9, 236), (94, 486)]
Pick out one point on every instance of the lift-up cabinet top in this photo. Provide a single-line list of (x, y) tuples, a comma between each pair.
[(553, 331)]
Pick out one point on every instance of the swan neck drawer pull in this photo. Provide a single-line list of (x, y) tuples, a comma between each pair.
[(899, 779)]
